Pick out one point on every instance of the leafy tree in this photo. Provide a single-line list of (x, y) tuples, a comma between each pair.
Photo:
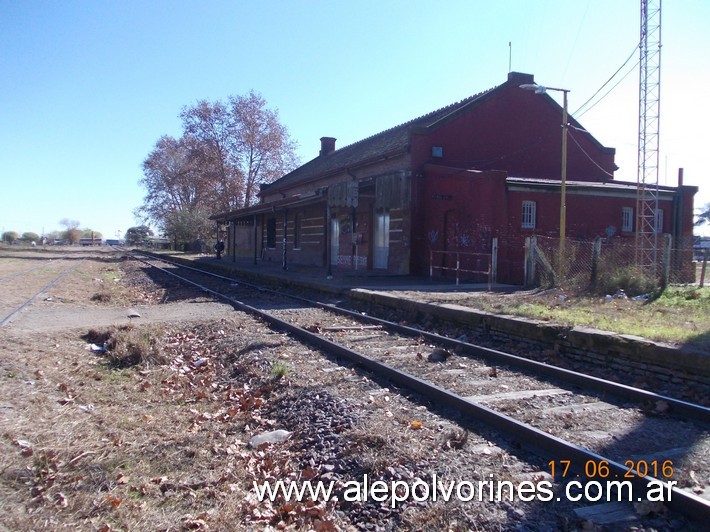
[(30, 237), (90, 233), (138, 236), (704, 216), (10, 237), (52, 236), (184, 226)]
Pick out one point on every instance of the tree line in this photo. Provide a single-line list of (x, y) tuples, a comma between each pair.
[(70, 235), (226, 151)]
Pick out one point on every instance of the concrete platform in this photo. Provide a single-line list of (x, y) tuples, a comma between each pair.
[(598, 347), (341, 280)]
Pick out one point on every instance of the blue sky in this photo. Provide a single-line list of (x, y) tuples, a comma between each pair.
[(88, 87)]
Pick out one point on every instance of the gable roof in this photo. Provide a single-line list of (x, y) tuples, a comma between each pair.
[(389, 142)]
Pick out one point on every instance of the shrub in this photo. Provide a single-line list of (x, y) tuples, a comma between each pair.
[(628, 278), (128, 346)]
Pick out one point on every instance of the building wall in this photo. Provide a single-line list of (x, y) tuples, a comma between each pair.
[(460, 210), (307, 249), (516, 131), (460, 199), (463, 210)]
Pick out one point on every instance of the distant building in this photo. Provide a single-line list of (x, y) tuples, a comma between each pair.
[(90, 242), (156, 242), (477, 177), (701, 247)]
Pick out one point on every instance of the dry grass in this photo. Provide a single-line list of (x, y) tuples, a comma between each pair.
[(91, 442), (128, 345), (680, 316)]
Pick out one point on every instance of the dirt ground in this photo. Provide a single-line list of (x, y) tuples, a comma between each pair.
[(111, 422), (158, 440)]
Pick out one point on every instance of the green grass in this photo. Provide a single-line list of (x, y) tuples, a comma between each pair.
[(681, 315), (278, 371)]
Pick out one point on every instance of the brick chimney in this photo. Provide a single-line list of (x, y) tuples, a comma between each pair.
[(327, 145), (519, 78)]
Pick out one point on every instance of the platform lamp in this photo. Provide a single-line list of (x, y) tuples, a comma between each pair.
[(540, 89)]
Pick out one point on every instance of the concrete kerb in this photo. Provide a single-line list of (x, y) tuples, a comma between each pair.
[(609, 347), (603, 346)]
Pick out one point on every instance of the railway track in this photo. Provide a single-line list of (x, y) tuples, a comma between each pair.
[(34, 283), (563, 415)]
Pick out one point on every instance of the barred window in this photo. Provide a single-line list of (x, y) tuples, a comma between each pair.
[(627, 219), (529, 211)]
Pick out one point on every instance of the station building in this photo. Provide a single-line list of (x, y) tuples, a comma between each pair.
[(470, 180)]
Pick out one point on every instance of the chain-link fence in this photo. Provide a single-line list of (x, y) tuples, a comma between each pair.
[(606, 265)]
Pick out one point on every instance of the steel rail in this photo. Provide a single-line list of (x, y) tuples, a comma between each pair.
[(676, 406), (17, 274), (545, 444), (31, 300)]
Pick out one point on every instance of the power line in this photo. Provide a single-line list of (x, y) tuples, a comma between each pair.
[(632, 69), (585, 153), (607, 82)]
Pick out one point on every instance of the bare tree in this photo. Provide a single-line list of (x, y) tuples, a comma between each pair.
[(69, 224), (212, 127), (71, 233), (177, 178), (226, 151), (265, 148), (245, 142)]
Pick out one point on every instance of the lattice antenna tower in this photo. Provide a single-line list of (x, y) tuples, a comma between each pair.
[(648, 222)]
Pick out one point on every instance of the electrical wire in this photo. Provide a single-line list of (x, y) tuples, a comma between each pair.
[(607, 82), (607, 92), (569, 133)]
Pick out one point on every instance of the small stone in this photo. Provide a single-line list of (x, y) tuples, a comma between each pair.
[(438, 355)]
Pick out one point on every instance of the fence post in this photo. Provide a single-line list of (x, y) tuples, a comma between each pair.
[(702, 269), (526, 263), (596, 252), (494, 260), (667, 244)]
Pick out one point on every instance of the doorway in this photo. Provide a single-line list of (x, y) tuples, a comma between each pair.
[(334, 241), (381, 240)]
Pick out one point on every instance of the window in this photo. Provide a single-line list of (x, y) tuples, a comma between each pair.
[(627, 219), (271, 233), (658, 221), (297, 232), (529, 208)]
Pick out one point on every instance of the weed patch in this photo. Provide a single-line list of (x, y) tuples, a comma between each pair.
[(127, 345)]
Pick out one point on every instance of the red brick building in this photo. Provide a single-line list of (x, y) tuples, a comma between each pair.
[(476, 177)]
